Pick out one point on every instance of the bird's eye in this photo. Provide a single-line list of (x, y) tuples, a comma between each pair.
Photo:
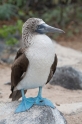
[(39, 26)]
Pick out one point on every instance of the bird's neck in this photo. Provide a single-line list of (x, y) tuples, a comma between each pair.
[(27, 39)]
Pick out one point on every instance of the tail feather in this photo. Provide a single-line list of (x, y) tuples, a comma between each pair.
[(15, 95)]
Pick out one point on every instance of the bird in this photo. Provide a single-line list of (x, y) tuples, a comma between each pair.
[(34, 64)]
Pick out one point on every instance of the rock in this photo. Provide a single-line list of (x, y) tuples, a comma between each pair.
[(7, 53), (68, 57), (7, 83), (72, 108), (1, 62), (35, 115), (67, 77), (2, 46)]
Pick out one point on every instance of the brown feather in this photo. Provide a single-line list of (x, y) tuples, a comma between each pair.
[(53, 68), (18, 68), (19, 53)]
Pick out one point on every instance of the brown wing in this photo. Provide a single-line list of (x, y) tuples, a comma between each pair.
[(53, 68), (18, 68), (19, 53)]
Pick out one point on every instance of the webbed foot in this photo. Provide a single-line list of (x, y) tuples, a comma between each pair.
[(25, 104)]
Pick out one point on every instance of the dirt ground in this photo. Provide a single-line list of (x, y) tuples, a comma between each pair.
[(56, 94)]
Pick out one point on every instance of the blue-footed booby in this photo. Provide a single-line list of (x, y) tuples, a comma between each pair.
[(34, 64)]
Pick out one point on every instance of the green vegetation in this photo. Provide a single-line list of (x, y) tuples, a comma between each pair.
[(66, 14), (8, 32), (7, 11)]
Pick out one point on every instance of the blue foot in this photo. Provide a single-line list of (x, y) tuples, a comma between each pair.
[(25, 104), (43, 102)]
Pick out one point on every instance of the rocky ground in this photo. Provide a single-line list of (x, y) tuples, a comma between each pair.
[(56, 94)]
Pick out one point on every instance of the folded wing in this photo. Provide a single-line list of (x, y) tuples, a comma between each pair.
[(19, 67), (53, 68)]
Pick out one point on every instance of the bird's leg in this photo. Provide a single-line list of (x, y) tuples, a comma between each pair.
[(25, 104), (42, 101), (40, 92), (23, 95)]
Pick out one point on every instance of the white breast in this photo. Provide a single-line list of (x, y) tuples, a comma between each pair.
[(41, 56)]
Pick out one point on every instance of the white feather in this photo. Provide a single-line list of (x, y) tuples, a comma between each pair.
[(40, 54)]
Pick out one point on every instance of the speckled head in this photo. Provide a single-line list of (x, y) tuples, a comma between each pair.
[(32, 24), (36, 26), (29, 29)]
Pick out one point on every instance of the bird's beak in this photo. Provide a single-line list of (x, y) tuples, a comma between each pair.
[(44, 28)]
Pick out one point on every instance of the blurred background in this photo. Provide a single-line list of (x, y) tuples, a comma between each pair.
[(64, 14)]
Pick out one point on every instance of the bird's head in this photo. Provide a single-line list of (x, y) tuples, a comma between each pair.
[(36, 25)]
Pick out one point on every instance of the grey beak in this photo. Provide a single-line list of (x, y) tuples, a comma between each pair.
[(44, 28), (50, 29)]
